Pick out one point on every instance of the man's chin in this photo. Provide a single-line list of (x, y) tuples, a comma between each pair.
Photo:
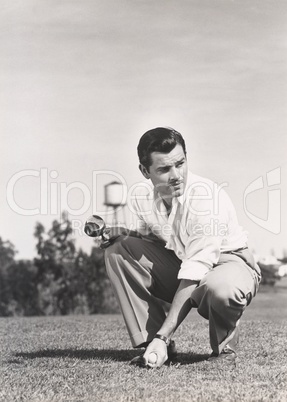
[(177, 192)]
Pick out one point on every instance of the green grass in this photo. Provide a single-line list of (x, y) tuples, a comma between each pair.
[(86, 358)]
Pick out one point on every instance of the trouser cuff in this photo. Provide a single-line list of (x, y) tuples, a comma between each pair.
[(142, 337)]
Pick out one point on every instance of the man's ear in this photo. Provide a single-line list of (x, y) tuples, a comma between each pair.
[(144, 171)]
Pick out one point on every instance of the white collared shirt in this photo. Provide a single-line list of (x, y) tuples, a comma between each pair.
[(202, 224)]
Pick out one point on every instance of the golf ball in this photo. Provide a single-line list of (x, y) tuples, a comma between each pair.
[(152, 358)]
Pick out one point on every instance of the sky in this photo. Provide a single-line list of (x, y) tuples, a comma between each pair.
[(81, 81)]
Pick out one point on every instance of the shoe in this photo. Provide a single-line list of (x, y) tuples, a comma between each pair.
[(227, 354), (229, 351), (140, 361)]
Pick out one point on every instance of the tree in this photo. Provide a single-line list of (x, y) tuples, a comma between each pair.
[(7, 255), (95, 283), (69, 280), (55, 264), (23, 292), (60, 280)]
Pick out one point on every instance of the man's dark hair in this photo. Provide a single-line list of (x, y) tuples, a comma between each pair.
[(160, 139)]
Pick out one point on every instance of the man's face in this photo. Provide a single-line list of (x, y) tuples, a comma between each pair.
[(168, 172)]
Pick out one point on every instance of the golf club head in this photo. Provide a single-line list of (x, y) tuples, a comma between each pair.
[(95, 226)]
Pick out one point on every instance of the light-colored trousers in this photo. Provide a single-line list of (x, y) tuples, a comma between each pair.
[(143, 271)]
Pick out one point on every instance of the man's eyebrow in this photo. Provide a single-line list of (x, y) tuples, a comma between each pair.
[(168, 166), (181, 160), (163, 167)]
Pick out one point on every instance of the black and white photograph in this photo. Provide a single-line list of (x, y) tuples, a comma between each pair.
[(143, 241)]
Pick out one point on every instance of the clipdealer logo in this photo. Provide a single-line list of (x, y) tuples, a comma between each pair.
[(273, 221), (54, 195)]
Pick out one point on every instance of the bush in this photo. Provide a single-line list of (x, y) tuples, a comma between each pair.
[(61, 280)]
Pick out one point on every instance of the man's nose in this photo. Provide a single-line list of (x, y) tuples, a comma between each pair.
[(175, 174)]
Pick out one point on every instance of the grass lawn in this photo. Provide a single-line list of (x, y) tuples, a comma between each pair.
[(86, 358)]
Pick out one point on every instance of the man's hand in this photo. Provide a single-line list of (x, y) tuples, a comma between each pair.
[(111, 233), (158, 347), (180, 307)]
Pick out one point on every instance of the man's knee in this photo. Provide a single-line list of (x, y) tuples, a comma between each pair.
[(114, 248), (122, 249), (123, 244), (224, 294)]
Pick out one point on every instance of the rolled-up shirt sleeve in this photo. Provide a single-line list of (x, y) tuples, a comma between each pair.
[(201, 255)]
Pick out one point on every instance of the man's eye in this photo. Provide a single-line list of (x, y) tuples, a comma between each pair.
[(163, 170)]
